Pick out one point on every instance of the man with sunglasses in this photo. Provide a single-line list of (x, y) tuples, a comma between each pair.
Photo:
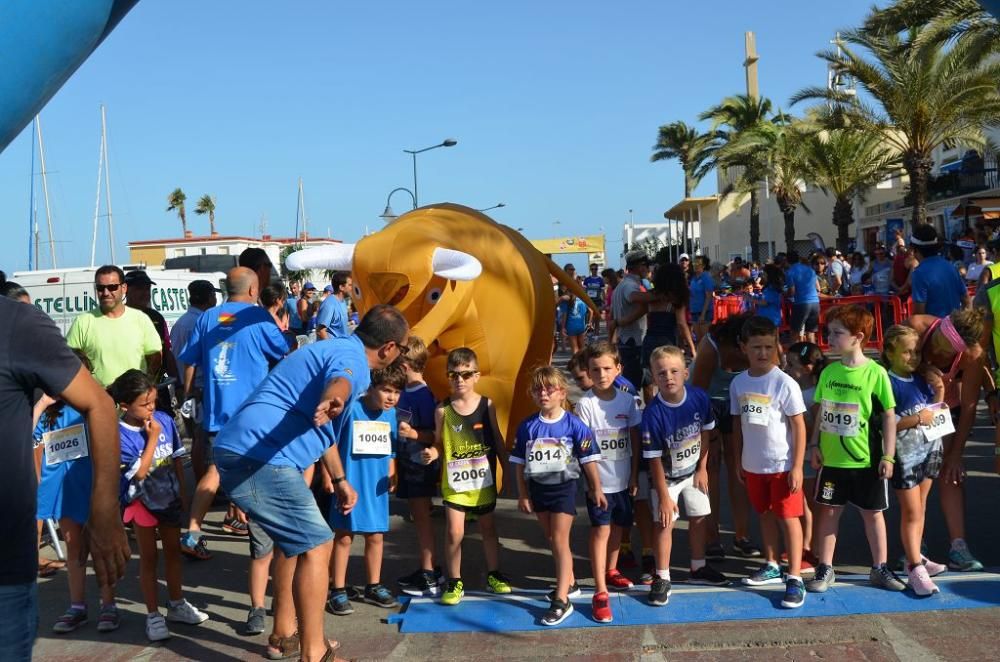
[(114, 337)]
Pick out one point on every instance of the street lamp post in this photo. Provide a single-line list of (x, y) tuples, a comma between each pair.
[(388, 215), (448, 142)]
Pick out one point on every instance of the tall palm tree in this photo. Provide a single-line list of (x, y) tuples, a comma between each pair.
[(206, 205), (691, 148), (734, 116), (175, 202), (926, 94), (941, 20), (845, 163)]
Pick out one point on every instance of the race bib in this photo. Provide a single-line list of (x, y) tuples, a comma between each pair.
[(840, 418), (470, 474), (755, 408), (592, 292), (941, 424), (66, 444), (547, 455), (686, 454), (614, 444), (372, 438)]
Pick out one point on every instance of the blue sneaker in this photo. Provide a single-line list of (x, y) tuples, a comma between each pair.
[(338, 604), (379, 596), (766, 574), (961, 559), (795, 594)]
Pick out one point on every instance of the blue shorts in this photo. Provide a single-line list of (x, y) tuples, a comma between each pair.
[(558, 498), (619, 511), (277, 499)]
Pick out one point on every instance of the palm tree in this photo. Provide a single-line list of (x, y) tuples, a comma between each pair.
[(927, 94), (206, 205), (679, 141), (301, 275), (845, 163), (175, 201), (941, 20), (731, 118)]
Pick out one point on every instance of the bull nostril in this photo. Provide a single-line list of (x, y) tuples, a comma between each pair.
[(399, 296)]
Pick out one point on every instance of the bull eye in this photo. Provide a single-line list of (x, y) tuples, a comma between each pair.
[(434, 296), (357, 291)]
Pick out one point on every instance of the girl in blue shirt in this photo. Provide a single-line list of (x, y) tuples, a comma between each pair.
[(574, 318), (769, 301)]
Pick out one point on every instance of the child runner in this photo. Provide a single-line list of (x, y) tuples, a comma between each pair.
[(615, 419), (151, 492), (551, 449), (64, 495), (468, 441), (574, 319), (919, 432), (675, 432), (850, 392), (418, 482), (805, 362), (366, 451), (770, 436)]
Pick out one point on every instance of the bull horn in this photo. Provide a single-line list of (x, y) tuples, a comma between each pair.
[(337, 257), (455, 265)]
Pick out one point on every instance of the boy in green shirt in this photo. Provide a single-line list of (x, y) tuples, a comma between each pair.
[(850, 392)]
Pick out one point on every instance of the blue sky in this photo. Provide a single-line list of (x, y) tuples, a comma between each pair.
[(555, 106)]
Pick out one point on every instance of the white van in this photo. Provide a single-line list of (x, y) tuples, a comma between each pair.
[(63, 294)]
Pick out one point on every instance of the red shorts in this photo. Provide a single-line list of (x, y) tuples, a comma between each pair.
[(139, 514), (770, 493)]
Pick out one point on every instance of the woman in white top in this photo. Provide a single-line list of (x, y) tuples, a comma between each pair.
[(975, 269)]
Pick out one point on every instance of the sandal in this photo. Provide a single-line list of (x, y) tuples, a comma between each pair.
[(330, 654), (281, 648), (47, 568)]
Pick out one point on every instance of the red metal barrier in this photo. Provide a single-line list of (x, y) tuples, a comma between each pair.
[(874, 303), (730, 304)]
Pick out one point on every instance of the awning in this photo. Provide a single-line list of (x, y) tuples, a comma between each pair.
[(988, 208), (954, 166)]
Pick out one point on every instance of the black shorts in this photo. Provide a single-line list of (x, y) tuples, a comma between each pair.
[(417, 480), (618, 512), (723, 419), (558, 498), (805, 317), (861, 487), (484, 509)]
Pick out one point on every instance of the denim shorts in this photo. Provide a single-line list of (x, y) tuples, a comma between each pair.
[(18, 621), (277, 499)]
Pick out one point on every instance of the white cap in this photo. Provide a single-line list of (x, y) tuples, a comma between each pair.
[(683, 256)]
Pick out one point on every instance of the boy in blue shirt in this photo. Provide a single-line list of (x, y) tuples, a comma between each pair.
[(367, 451)]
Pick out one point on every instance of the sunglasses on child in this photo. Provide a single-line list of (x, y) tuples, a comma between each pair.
[(463, 375)]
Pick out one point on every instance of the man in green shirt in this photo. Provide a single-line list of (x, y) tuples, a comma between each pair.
[(115, 337)]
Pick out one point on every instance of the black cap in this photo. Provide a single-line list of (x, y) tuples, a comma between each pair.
[(201, 288), (138, 277)]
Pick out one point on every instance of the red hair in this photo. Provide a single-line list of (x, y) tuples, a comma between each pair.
[(856, 319)]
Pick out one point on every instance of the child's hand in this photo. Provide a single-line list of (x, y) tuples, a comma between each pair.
[(795, 480), (885, 469), (152, 429), (524, 504), (668, 512), (429, 455), (327, 410), (633, 486), (600, 500), (393, 481), (925, 416), (700, 481), (816, 458), (407, 432)]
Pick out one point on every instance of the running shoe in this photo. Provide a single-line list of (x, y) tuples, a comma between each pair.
[(185, 612), (109, 620), (618, 581), (601, 608), (933, 569), (743, 547), (418, 583), (920, 581), (497, 582), (558, 612), (961, 559), (234, 527), (71, 620), (883, 577), (795, 594), (648, 570), (573, 592), (256, 621), (659, 592), (338, 604), (626, 561), (708, 576), (156, 627), (715, 552), (380, 596), (196, 549), (824, 579), (453, 593), (766, 574)]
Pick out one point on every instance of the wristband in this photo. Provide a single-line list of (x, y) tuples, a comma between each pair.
[(339, 479), (890, 460)]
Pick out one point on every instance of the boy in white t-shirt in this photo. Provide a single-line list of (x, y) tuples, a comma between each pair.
[(614, 418), (769, 431)]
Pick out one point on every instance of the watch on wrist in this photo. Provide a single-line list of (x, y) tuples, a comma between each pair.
[(339, 479)]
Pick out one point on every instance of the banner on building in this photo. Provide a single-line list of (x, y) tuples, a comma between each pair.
[(582, 244)]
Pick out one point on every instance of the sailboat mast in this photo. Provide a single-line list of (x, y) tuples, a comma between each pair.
[(45, 191), (31, 209), (107, 182), (97, 201)]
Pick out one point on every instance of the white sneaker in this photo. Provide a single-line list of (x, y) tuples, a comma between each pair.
[(156, 627), (185, 612)]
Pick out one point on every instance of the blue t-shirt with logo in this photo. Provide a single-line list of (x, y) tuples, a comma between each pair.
[(275, 424), (366, 468), (552, 451), (576, 316), (233, 345), (803, 279), (912, 393), (333, 315), (593, 285), (160, 488), (672, 432), (938, 276), (701, 285)]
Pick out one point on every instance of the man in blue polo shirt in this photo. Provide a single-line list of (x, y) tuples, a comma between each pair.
[(291, 421), (331, 321), (937, 287)]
